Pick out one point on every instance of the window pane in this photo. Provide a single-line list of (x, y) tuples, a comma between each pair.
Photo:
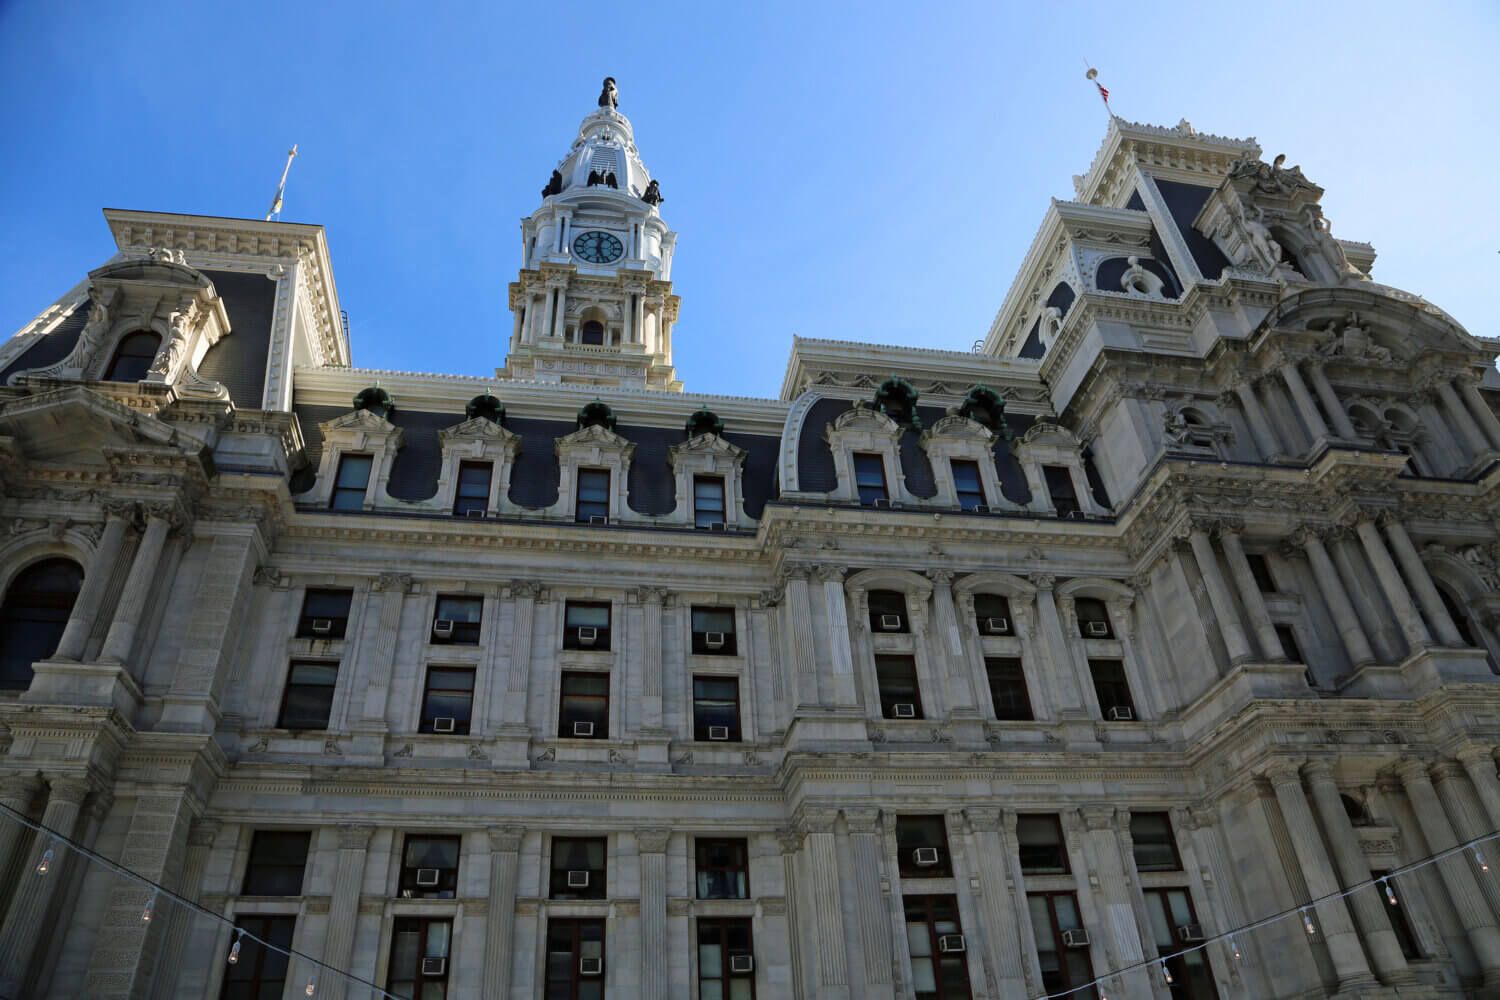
[(869, 477), (713, 620), (708, 500), (590, 615)]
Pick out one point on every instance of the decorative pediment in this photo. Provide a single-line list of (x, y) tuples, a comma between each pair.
[(1046, 434), (358, 428), (957, 426), (594, 438), (480, 428), (860, 417), (707, 444)]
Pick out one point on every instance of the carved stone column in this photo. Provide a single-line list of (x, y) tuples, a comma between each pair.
[(822, 857), (1067, 696), (343, 906), (1250, 596), (559, 288), (998, 903), (1333, 916), (16, 793), (797, 606), (95, 582), (1303, 400), (874, 918), (27, 917), (841, 653), (1260, 428), (1113, 896), (1478, 762), (1391, 584), (1233, 633), (200, 841), (958, 687), (138, 585), (1433, 608), (1353, 869), (524, 594), (1345, 619), (1468, 388), (1031, 961), (1468, 902), (1461, 418), (500, 924), (1341, 422), (653, 847), (1453, 788)]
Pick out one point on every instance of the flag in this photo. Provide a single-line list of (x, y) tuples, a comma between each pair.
[(1104, 93)]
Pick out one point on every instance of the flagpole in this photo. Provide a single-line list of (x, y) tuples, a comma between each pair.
[(291, 155), (1093, 76)]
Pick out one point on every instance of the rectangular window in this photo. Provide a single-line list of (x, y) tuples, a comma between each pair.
[(1008, 688), (708, 501), (1093, 619), (723, 868), (1060, 489), (350, 483), (586, 625), (593, 495), (1261, 571), (968, 484), (277, 860), (429, 867), (1039, 843), (448, 702), (1289, 647), (1400, 926), (726, 960), (1112, 690), (420, 949), (257, 971), (473, 493), (713, 632), (325, 614), (992, 615), (888, 611), (1065, 963), (935, 939), (869, 478), (922, 847), (1155, 847), (897, 677), (577, 868), (575, 959), (455, 621), (308, 699), (584, 709), (1174, 926), (716, 709)]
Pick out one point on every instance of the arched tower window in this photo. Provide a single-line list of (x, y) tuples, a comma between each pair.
[(133, 357), (32, 618), (592, 333)]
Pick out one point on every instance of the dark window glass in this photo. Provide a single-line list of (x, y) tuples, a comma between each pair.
[(1289, 647), (456, 620), (420, 948), (992, 615), (578, 868), (34, 615), (1039, 843), (592, 333), (1355, 810), (1112, 690), (1093, 619), (277, 859), (1396, 911), (723, 869), (1261, 571), (584, 711), (132, 360), (713, 632), (429, 867), (308, 699), (1008, 688), (350, 483), (708, 500), (448, 702), (888, 611), (897, 677), (1170, 915), (592, 618), (922, 847), (1460, 616), (1155, 847), (869, 478), (967, 482), (258, 972), (575, 959), (1064, 967), (720, 976), (325, 614), (933, 932), (1060, 489), (716, 708), (593, 494), (473, 493)]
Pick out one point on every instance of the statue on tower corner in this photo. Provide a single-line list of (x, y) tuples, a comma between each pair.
[(609, 97), (652, 195), (554, 185)]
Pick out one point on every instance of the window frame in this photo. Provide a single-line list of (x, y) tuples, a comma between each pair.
[(43, 617), (1019, 709), (565, 720), (339, 623), (862, 463), (1093, 609), (557, 877), (111, 371), (925, 906), (721, 928), (1062, 492), (465, 494), (584, 510), (277, 928), (341, 495), (702, 518), (294, 686), (423, 924), (985, 604), (604, 632), (1169, 840), (465, 632), (426, 722), (887, 607), (739, 871), (576, 926), (447, 887), (884, 664), (699, 636), (702, 725), (913, 832), (1176, 960), (1108, 691), (1054, 822), (959, 490), (263, 839), (1054, 928)]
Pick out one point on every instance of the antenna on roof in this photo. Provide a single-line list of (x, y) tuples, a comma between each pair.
[(275, 211)]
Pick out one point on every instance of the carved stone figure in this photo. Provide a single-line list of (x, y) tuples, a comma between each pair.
[(170, 354), (94, 331), (1138, 280), (1482, 565), (1353, 342), (609, 97), (652, 195), (1258, 237), (554, 185), (1051, 325)]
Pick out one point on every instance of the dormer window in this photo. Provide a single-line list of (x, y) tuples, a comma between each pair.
[(473, 495), (351, 483), (869, 478), (133, 357), (968, 485), (1060, 489), (708, 501), (593, 495)]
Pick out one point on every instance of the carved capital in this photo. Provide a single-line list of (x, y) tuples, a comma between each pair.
[(866, 821), (392, 582), (940, 577), (820, 820), (1098, 817), (1477, 756), (17, 790), (651, 595), (1411, 771), (829, 573), (1283, 772), (68, 788), (983, 820), (506, 839), (355, 836), (529, 589), (203, 832), (1043, 581), (789, 840), (652, 841), (1318, 771)]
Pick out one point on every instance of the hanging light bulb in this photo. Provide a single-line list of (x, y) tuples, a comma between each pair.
[(1307, 922), (1484, 865), (1234, 948), (150, 910), (312, 985), (1166, 973), (45, 865), (1390, 894), (234, 949)]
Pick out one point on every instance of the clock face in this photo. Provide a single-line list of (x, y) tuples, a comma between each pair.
[(598, 248)]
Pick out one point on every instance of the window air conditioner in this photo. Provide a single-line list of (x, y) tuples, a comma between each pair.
[(713, 640), (578, 879), (427, 878), (716, 526), (925, 857), (434, 966), (882, 504), (980, 508), (598, 519), (1076, 938), (475, 512), (443, 724), (904, 711), (590, 966), (890, 623), (1120, 713), (951, 943), (1096, 629), (1077, 515), (1188, 933), (322, 626), (442, 628), (583, 729), (997, 626), (587, 635), (741, 965), (718, 732)]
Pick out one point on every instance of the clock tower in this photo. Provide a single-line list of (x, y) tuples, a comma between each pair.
[(593, 304)]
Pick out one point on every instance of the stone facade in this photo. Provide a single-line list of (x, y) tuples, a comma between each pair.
[(1173, 607)]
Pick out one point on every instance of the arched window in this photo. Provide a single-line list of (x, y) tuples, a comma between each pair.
[(592, 333), (32, 619), (133, 357), (1093, 619)]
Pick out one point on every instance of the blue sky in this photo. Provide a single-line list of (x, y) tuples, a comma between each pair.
[(862, 171)]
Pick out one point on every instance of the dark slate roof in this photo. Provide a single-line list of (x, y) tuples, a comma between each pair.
[(238, 361), (1062, 297), (1185, 201), (52, 347)]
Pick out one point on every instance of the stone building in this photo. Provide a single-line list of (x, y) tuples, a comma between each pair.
[(941, 674)]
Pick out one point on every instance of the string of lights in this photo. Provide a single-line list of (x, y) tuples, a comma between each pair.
[(54, 839), (1303, 910)]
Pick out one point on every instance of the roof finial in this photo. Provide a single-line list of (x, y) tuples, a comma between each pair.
[(609, 97), (275, 211)]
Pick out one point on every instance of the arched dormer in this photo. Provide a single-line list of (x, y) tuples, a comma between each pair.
[(358, 451), (479, 455), (593, 470), (961, 453), (866, 448), (710, 476), (1052, 459)]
